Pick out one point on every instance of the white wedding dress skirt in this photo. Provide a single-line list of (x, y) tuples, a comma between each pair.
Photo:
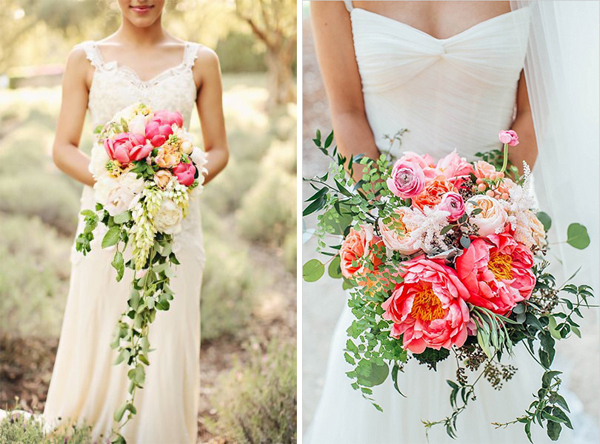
[(86, 386), (454, 93)]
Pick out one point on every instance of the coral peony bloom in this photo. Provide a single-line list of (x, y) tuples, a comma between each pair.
[(126, 147), (407, 179), (398, 233), (428, 309), (357, 252), (454, 168), (497, 272), (509, 137), (492, 218), (454, 204), (432, 193), (185, 173)]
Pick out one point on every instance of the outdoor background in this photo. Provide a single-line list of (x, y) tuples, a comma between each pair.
[(248, 356), (323, 301)]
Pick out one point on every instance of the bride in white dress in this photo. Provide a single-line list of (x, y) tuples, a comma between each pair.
[(139, 63), (452, 74)]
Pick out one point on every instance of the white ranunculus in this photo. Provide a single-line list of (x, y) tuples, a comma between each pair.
[(492, 218), (124, 194), (168, 219), (200, 159)]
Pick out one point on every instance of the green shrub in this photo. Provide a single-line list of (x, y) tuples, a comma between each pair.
[(34, 275), (47, 196), (268, 210), (256, 400), (229, 284), (239, 52), (290, 252), (16, 429)]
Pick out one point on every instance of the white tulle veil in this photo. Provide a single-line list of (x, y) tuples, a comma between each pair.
[(561, 70)]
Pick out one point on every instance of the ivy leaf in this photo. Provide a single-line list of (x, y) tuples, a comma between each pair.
[(111, 237), (313, 270), (577, 236)]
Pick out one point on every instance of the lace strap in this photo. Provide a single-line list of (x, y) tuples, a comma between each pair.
[(190, 54), (92, 53), (349, 5)]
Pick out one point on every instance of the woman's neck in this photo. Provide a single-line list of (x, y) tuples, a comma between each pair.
[(148, 36)]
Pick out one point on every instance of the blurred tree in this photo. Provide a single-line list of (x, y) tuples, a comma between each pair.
[(14, 25), (273, 22)]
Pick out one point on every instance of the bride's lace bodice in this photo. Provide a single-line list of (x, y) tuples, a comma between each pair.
[(115, 87), (449, 93)]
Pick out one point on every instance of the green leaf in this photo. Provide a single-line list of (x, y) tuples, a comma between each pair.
[(122, 218), (118, 264), (577, 236), (329, 140), (334, 269), (88, 213), (124, 125), (313, 270), (111, 237), (552, 328), (378, 375), (465, 242), (314, 206), (545, 220), (120, 412)]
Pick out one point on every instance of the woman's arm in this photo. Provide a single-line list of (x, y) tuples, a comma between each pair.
[(527, 149), (335, 52), (207, 73), (65, 152)]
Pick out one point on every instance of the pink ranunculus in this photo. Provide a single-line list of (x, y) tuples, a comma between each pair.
[(509, 137), (454, 168), (428, 308), (407, 179), (185, 173), (497, 272), (126, 147), (454, 204), (158, 133), (425, 161)]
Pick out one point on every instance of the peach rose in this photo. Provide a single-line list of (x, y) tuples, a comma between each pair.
[(492, 218), (483, 170), (357, 252), (398, 235), (162, 178), (168, 157), (433, 193), (529, 231), (428, 308)]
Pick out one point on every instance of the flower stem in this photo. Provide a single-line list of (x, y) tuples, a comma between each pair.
[(505, 163)]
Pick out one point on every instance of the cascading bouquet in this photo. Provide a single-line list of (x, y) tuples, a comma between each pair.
[(146, 169), (445, 257)]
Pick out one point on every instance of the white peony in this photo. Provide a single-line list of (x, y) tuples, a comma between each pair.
[(121, 193), (200, 159), (169, 216), (493, 217), (98, 160), (137, 125)]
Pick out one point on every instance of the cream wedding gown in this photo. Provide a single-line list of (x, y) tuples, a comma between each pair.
[(449, 93), (85, 385)]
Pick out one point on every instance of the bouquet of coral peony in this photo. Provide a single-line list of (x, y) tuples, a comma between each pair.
[(445, 257), (146, 168)]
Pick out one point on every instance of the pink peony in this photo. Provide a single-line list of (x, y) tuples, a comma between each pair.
[(170, 118), (428, 309), (126, 148), (497, 272), (407, 179), (185, 173), (509, 137), (453, 167), (158, 133), (454, 204)]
